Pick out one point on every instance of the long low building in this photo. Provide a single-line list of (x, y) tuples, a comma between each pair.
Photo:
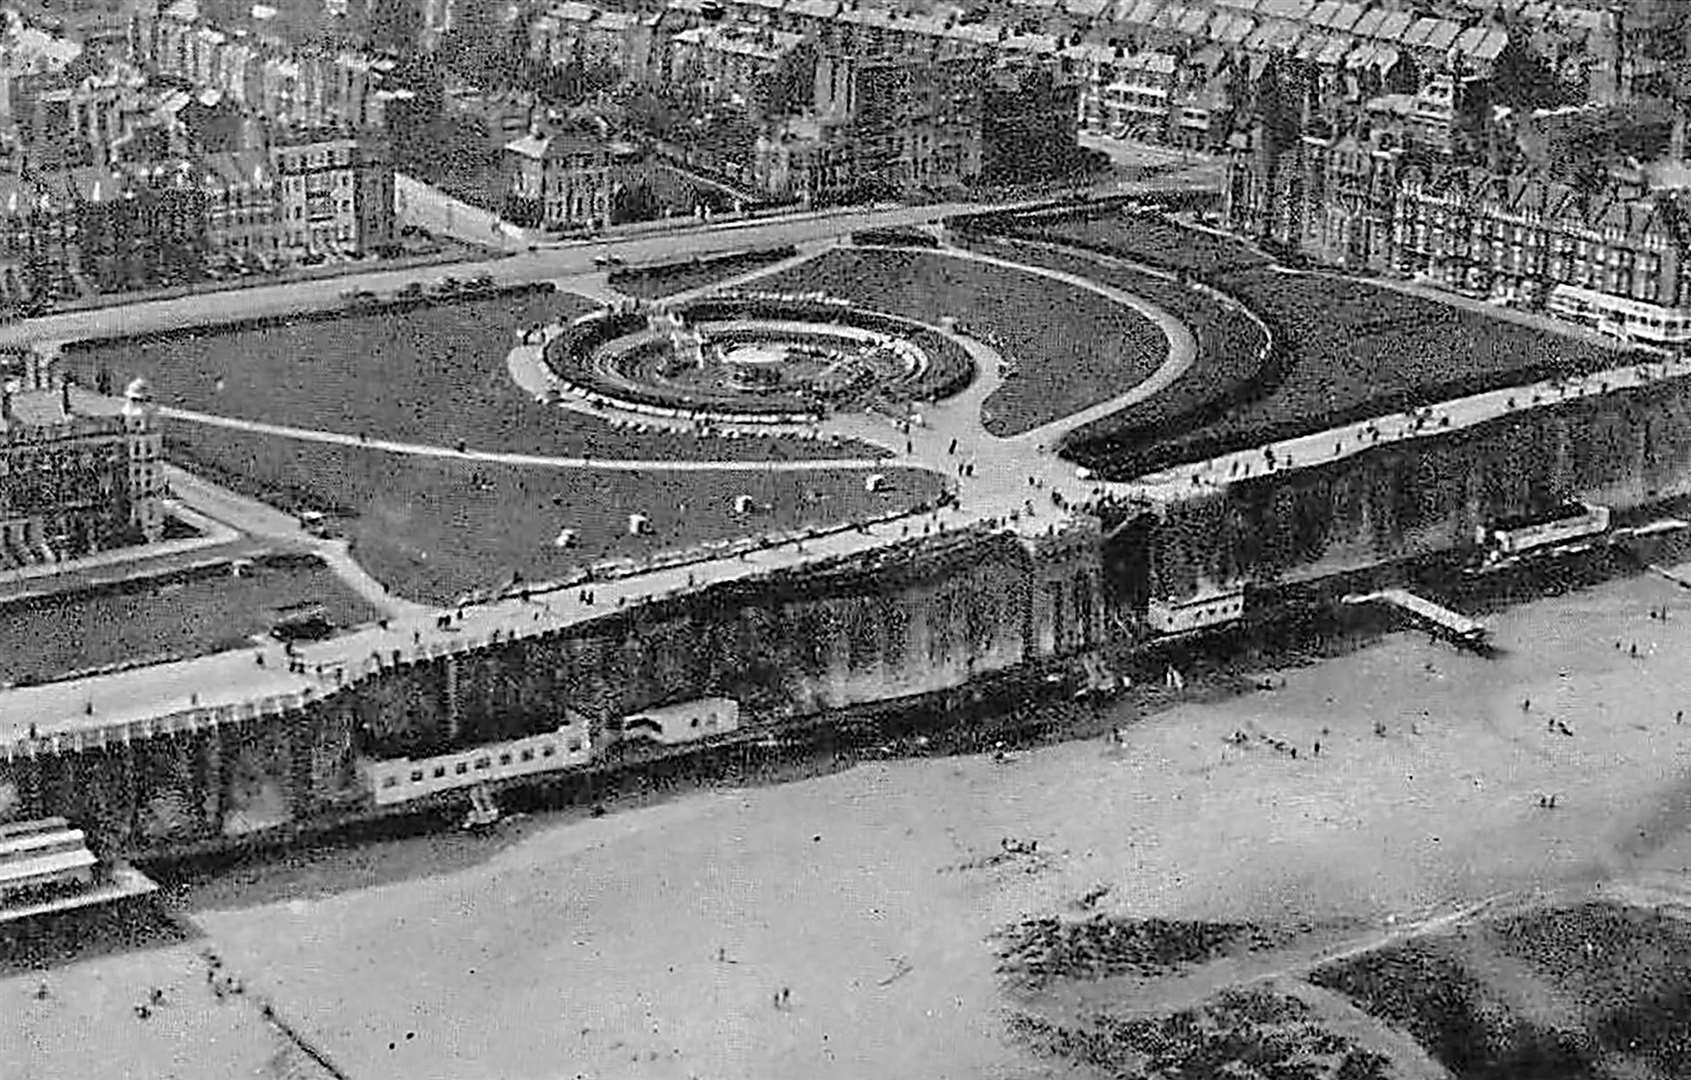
[(41, 857)]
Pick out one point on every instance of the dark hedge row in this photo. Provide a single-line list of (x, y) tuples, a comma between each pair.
[(1345, 350), (668, 279)]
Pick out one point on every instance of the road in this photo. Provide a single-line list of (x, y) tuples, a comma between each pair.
[(555, 264)]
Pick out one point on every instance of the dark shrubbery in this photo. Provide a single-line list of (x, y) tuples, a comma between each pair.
[(1345, 350), (668, 279)]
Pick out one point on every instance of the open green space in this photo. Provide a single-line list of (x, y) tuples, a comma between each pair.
[(435, 529), (434, 374), (1346, 350), (1231, 364), (1070, 348), (185, 614)]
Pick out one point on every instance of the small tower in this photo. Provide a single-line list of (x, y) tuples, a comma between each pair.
[(144, 444), (138, 401)]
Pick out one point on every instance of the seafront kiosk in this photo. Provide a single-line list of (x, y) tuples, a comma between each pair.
[(46, 867)]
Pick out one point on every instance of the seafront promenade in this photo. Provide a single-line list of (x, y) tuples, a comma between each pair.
[(1017, 484)]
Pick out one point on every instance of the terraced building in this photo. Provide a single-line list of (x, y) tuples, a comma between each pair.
[(72, 483)]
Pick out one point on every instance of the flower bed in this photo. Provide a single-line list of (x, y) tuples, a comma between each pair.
[(1070, 348)]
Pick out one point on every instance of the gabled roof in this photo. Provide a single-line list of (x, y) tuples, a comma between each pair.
[(1492, 46), (1418, 31), (1369, 24), (1237, 31), (1394, 27), (1346, 18), (1468, 39), (1444, 35), (1144, 12)]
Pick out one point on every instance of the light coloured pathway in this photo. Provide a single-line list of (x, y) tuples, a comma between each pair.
[(237, 677), (263, 520), (628, 465), (999, 482), (212, 534), (1205, 477)]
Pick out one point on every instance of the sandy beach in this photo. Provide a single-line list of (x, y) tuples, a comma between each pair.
[(652, 942)]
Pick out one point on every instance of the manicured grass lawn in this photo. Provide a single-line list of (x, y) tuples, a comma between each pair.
[(435, 375), (50, 637), (652, 283), (1349, 349), (1224, 372), (1071, 348), (433, 529)]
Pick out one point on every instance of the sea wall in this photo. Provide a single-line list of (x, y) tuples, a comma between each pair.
[(1423, 496), (923, 617)]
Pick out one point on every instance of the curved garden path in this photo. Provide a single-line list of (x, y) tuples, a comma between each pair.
[(505, 458)]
